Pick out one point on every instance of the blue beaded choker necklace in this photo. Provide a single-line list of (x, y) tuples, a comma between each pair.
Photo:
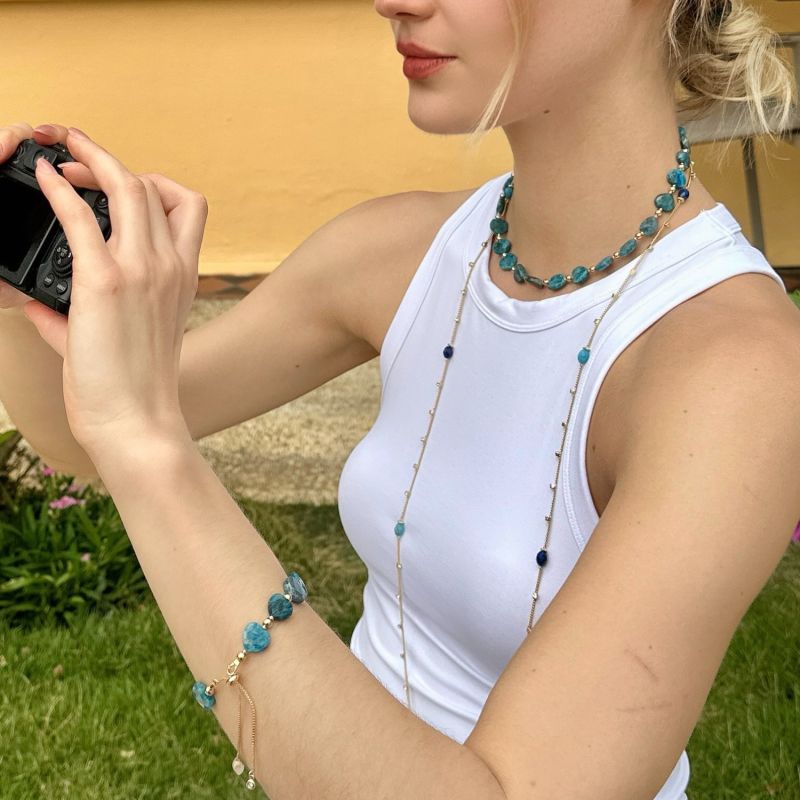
[(580, 274), (665, 203)]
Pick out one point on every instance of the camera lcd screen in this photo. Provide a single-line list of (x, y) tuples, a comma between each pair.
[(24, 213)]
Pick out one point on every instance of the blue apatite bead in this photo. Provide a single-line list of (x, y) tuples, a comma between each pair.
[(448, 351), (509, 181), (541, 558), (583, 356), (294, 585), (508, 261), (676, 177), (580, 274), (255, 638), (628, 247), (199, 692), (683, 192), (556, 281), (508, 191), (604, 263), (665, 201), (681, 134), (399, 529), (498, 225), (683, 157), (520, 273), (279, 607), (649, 225), (501, 246), (501, 204)]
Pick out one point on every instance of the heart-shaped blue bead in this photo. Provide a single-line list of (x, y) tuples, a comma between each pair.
[(255, 638)]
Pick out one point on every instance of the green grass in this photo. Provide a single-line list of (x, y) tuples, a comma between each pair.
[(119, 721)]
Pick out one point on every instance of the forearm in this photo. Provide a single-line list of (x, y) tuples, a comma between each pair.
[(326, 728), (31, 390)]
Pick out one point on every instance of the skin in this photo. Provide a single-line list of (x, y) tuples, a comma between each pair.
[(589, 117), (724, 455)]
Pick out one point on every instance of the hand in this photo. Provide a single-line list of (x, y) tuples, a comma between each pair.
[(130, 299)]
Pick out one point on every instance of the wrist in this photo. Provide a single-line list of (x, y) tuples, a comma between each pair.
[(123, 450)]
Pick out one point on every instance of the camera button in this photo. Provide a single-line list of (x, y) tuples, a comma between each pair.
[(63, 255), (48, 279), (62, 287)]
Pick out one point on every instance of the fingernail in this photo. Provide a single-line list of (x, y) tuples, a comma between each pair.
[(47, 165), (78, 132), (47, 130)]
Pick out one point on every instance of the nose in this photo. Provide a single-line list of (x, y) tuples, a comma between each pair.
[(400, 9)]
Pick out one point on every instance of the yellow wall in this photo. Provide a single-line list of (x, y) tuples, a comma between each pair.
[(283, 113)]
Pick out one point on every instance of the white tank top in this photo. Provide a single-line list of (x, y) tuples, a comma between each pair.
[(475, 519)]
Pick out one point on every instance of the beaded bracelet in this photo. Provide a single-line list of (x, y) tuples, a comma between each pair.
[(256, 637)]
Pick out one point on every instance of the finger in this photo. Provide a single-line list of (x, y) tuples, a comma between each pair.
[(127, 196), (79, 175), (10, 137), (159, 227), (73, 212), (50, 133), (76, 173), (187, 212), (51, 325)]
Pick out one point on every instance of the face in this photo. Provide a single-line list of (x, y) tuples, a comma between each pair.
[(570, 47)]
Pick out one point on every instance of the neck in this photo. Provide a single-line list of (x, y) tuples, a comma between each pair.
[(586, 170)]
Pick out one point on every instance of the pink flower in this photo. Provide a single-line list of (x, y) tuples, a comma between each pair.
[(86, 556), (66, 500), (796, 536), (75, 487), (48, 471)]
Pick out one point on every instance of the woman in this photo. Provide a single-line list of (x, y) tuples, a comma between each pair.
[(676, 499)]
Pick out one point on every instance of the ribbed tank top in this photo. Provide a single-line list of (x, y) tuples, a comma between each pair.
[(475, 519)]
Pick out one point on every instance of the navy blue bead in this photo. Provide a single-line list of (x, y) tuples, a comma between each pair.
[(541, 558), (448, 351), (683, 192)]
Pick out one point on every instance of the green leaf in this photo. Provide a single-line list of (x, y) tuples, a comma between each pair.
[(16, 583)]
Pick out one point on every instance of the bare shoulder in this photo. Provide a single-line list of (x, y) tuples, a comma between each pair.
[(745, 309), (732, 348), (395, 232)]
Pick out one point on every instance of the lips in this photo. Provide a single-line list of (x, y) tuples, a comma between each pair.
[(413, 50), (416, 68)]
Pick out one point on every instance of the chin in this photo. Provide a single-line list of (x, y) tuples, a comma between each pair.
[(436, 115)]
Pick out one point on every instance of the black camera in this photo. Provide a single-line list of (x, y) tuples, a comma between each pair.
[(34, 253)]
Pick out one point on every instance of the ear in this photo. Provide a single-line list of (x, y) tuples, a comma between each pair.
[(51, 325)]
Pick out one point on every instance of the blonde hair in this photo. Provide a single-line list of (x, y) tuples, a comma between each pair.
[(719, 53)]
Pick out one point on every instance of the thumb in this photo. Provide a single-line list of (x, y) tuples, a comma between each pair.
[(51, 325)]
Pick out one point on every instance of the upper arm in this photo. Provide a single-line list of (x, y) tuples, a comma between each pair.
[(601, 698), (300, 327)]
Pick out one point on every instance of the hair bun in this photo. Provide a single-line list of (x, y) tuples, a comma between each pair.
[(720, 11)]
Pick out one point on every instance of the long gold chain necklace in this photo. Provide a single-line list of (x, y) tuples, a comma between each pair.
[(665, 203)]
